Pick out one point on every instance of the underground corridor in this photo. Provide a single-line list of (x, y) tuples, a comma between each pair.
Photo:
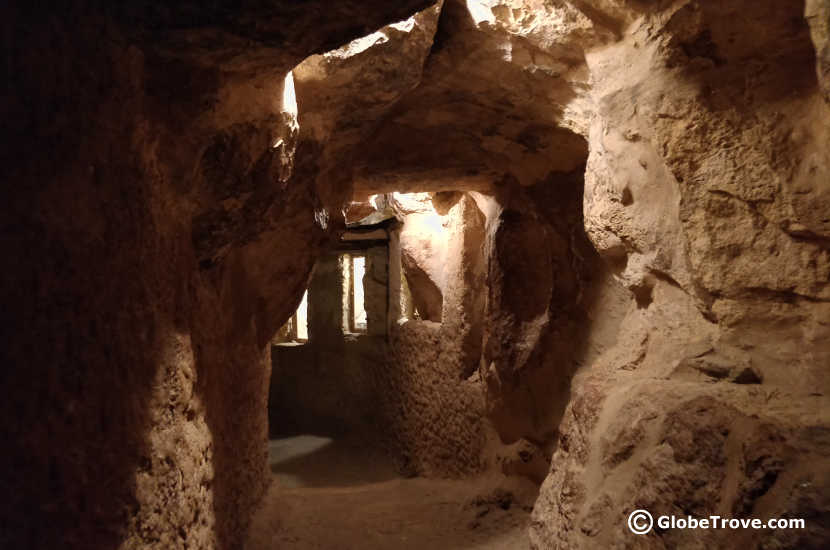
[(376, 403), (453, 274)]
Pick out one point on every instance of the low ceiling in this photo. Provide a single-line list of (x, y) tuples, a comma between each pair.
[(446, 100)]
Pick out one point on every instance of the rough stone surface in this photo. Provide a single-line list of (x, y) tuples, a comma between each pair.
[(633, 290), (344, 94), (726, 132), (436, 424), (706, 189), (703, 129), (678, 437), (551, 306), (155, 245), (431, 391), (424, 240)]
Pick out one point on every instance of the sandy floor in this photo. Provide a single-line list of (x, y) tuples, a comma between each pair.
[(329, 495)]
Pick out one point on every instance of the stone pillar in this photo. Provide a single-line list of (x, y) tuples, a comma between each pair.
[(376, 284), (463, 306)]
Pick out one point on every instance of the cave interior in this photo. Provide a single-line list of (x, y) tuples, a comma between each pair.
[(485, 274)]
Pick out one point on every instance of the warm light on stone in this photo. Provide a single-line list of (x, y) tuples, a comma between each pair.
[(481, 11), (492, 274)]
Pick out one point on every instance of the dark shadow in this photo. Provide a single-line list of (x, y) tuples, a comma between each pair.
[(86, 300), (314, 461), (549, 269)]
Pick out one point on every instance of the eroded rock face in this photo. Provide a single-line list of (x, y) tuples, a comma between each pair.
[(343, 94), (165, 204), (545, 283), (817, 14), (156, 244), (491, 101), (424, 242), (431, 393), (727, 131), (673, 420), (706, 147), (705, 128)]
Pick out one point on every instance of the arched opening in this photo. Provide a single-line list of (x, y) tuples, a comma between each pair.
[(518, 268), (448, 315)]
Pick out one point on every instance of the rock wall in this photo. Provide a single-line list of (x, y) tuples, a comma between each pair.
[(327, 385), (163, 210), (706, 146), (552, 306), (156, 242), (424, 253), (431, 395), (700, 292)]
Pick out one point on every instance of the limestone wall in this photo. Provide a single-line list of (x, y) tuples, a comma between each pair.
[(693, 289), (431, 394), (154, 246), (162, 212)]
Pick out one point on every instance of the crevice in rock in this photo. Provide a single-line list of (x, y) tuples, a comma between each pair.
[(471, 273)]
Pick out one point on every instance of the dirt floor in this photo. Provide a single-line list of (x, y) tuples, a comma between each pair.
[(331, 495)]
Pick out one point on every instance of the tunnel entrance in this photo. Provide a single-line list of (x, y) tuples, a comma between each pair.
[(381, 403), (387, 397), (445, 319)]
